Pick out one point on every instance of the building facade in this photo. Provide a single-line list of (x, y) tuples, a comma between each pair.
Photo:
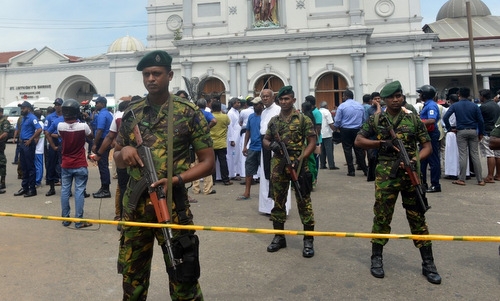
[(239, 47)]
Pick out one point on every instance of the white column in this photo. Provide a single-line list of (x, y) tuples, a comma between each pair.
[(188, 69), (243, 78), (486, 81), (419, 71), (304, 78), (233, 85), (187, 18), (358, 75), (355, 12), (292, 65)]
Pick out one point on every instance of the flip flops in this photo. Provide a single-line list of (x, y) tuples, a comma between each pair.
[(242, 198), (458, 182), (489, 181), (482, 183)]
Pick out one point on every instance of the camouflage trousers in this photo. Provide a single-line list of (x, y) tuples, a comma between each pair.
[(136, 253), (3, 164), (280, 183), (386, 194)]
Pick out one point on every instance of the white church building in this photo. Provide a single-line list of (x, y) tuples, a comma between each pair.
[(239, 47)]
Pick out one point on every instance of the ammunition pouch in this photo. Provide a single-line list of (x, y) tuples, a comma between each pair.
[(417, 207), (186, 251), (305, 182)]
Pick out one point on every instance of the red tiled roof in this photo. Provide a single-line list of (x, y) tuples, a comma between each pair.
[(6, 56), (73, 58)]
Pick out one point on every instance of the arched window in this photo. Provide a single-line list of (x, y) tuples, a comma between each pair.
[(329, 88), (214, 86), (268, 82)]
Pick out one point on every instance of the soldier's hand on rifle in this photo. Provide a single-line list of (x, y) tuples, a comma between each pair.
[(387, 146), (161, 182), (130, 157), (275, 147)]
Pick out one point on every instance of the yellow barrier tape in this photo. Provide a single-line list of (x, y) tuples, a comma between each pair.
[(262, 231)]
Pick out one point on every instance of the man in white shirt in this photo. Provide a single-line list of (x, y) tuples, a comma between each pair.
[(245, 111), (326, 133), (233, 140)]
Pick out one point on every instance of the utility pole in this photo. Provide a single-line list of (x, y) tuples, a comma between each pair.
[(471, 50)]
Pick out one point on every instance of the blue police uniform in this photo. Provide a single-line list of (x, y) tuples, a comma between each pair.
[(431, 111), (29, 126), (53, 158), (102, 121)]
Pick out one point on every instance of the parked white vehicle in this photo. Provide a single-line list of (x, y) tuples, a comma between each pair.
[(13, 111)]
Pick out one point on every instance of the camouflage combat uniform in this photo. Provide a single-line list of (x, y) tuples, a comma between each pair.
[(136, 243), (4, 128), (411, 131), (294, 134)]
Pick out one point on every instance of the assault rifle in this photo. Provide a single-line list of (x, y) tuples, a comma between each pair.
[(410, 168), (158, 199), (293, 173)]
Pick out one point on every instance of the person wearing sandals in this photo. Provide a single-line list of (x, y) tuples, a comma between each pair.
[(391, 180), (74, 162), (469, 130), (252, 151), (490, 112), (219, 137)]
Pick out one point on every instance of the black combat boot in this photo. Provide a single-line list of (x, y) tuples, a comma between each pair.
[(428, 268), (52, 190), (2, 182), (279, 241), (308, 250), (377, 268)]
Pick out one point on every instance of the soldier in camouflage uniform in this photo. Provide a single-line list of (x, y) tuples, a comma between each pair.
[(297, 132), (190, 128), (410, 129), (4, 132)]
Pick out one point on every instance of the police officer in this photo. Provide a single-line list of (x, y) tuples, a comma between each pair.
[(190, 128), (411, 131), (101, 124), (430, 117), (294, 129), (30, 131), (53, 152)]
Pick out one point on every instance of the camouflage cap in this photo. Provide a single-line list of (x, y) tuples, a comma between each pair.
[(155, 58), (285, 90), (390, 89)]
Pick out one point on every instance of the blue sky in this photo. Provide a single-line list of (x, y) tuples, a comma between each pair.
[(88, 27)]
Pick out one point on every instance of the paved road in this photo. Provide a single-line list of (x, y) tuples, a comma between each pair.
[(41, 260)]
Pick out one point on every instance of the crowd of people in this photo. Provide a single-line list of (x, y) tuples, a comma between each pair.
[(263, 140), (40, 148)]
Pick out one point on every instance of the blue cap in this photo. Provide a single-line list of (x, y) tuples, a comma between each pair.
[(101, 99), (24, 104), (58, 101)]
